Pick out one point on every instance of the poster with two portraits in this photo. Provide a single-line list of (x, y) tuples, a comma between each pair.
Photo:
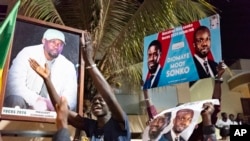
[(183, 49), (185, 53), (176, 122)]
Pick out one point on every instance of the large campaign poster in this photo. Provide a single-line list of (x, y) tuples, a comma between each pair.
[(182, 54), (176, 123)]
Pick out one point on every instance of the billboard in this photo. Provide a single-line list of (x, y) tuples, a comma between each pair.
[(182, 54)]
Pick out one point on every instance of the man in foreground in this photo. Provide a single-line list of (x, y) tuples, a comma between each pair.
[(112, 122)]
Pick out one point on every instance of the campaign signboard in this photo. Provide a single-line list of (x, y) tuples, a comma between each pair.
[(182, 54), (177, 123)]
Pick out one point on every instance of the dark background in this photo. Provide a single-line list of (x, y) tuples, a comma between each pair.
[(235, 29)]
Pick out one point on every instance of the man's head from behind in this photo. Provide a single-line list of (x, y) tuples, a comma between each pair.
[(202, 41), (158, 124), (154, 53), (182, 120), (53, 41)]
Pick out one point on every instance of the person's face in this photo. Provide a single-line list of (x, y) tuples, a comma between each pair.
[(240, 116), (182, 121), (153, 58), (156, 126), (202, 43), (52, 48), (98, 106), (224, 116), (231, 117)]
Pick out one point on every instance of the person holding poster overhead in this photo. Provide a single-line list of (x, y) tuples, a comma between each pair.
[(202, 44), (204, 130), (154, 67)]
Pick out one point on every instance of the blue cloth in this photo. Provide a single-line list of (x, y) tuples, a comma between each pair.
[(110, 132), (167, 137), (148, 82), (61, 135)]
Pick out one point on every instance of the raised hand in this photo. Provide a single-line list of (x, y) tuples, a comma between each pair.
[(87, 47), (207, 113), (208, 109), (62, 113), (220, 69), (43, 72)]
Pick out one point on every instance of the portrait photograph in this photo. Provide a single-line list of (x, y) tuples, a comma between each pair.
[(52, 47), (175, 123)]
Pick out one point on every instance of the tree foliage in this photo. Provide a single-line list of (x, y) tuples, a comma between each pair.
[(118, 28)]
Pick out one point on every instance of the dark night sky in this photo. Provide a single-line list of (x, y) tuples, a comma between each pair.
[(235, 29)]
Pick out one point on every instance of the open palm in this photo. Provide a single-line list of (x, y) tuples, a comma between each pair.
[(43, 72)]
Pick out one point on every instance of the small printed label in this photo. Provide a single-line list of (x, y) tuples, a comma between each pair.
[(239, 132)]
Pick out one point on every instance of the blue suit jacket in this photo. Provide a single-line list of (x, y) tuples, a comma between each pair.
[(167, 137), (147, 83), (61, 135)]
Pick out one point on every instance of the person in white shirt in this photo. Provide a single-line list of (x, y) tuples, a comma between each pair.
[(25, 88), (223, 125), (232, 119), (239, 119)]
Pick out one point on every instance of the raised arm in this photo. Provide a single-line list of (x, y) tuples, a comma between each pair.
[(62, 133), (210, 115), (151, 110), (208, 127), (218, 81), (73, 117), (217, 90), (99, 81)]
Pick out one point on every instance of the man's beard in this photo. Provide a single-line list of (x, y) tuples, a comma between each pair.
[(53, 55), (202, 55), (178, 131), (153, 69)]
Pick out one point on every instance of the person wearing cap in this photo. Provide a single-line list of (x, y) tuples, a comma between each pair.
[(111, 122), (25, 88)]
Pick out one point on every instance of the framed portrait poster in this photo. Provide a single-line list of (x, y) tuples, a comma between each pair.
[(25, 97)]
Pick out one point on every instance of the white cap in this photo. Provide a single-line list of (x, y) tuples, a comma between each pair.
[(50, 34)]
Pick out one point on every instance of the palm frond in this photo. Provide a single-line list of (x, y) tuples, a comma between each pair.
[(40, 9), (126, 48), (118, 27), (114, 16), (79, 14)]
